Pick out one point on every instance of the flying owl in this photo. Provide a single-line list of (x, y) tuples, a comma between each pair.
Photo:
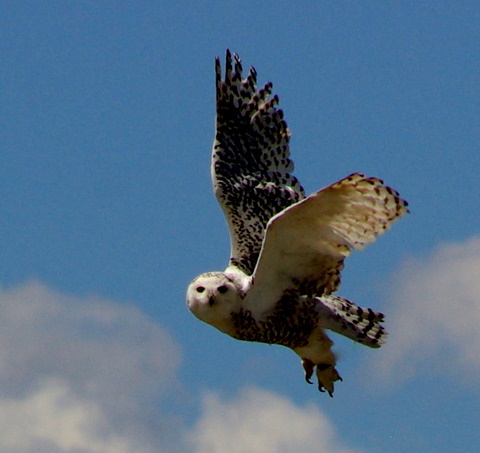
[(287, 250)]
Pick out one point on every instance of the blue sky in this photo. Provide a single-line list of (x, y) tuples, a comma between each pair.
[(107, 213)]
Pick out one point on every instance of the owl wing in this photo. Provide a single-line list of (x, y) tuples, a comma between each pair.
[(251, 168), (305, 245)]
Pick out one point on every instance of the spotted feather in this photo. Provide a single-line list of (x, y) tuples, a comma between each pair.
[(251, 166)]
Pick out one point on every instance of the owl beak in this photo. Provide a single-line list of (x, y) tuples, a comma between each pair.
[(211, 301)]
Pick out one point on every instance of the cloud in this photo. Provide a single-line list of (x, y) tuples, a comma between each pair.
[(84, 375), (88, 375), (258, 421), (55, 419), (436, 315)]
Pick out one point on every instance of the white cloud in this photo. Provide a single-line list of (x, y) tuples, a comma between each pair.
[(87, 375), (54, 419), (83, 375), (258, 421), (436, 316)]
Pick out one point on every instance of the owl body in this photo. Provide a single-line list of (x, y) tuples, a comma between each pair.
[(287, 250)]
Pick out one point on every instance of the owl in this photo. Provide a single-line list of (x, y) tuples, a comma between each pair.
[(287, 250)]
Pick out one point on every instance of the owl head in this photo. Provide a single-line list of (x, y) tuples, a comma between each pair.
[(212, 297)]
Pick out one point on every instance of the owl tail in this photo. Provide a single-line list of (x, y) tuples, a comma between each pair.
[(362, 325)]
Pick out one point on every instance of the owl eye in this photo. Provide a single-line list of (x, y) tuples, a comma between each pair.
[(222, 289), (200, 289)]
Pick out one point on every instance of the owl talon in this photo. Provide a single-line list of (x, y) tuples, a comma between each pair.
[(327, 375), (308, 367)]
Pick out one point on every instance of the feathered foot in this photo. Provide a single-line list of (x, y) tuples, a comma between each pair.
[(308, 366), (326, 375)]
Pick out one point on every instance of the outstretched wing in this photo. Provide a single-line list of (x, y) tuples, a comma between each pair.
[(306, 244), (251, 168)]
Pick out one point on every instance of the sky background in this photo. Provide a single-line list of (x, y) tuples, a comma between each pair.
[(107, 213)]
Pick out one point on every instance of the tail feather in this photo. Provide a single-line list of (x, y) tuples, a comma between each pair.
[(362, 325)]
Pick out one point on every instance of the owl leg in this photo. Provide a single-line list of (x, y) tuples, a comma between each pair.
[(327, 375), (318, 356)]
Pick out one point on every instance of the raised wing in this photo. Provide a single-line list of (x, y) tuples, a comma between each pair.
[(306, 244), (250, 163)]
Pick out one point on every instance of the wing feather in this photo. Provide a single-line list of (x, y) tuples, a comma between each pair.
[(251, 167), (305, 245)]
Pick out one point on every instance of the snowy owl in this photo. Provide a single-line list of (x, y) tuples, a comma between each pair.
[(287, 250)]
